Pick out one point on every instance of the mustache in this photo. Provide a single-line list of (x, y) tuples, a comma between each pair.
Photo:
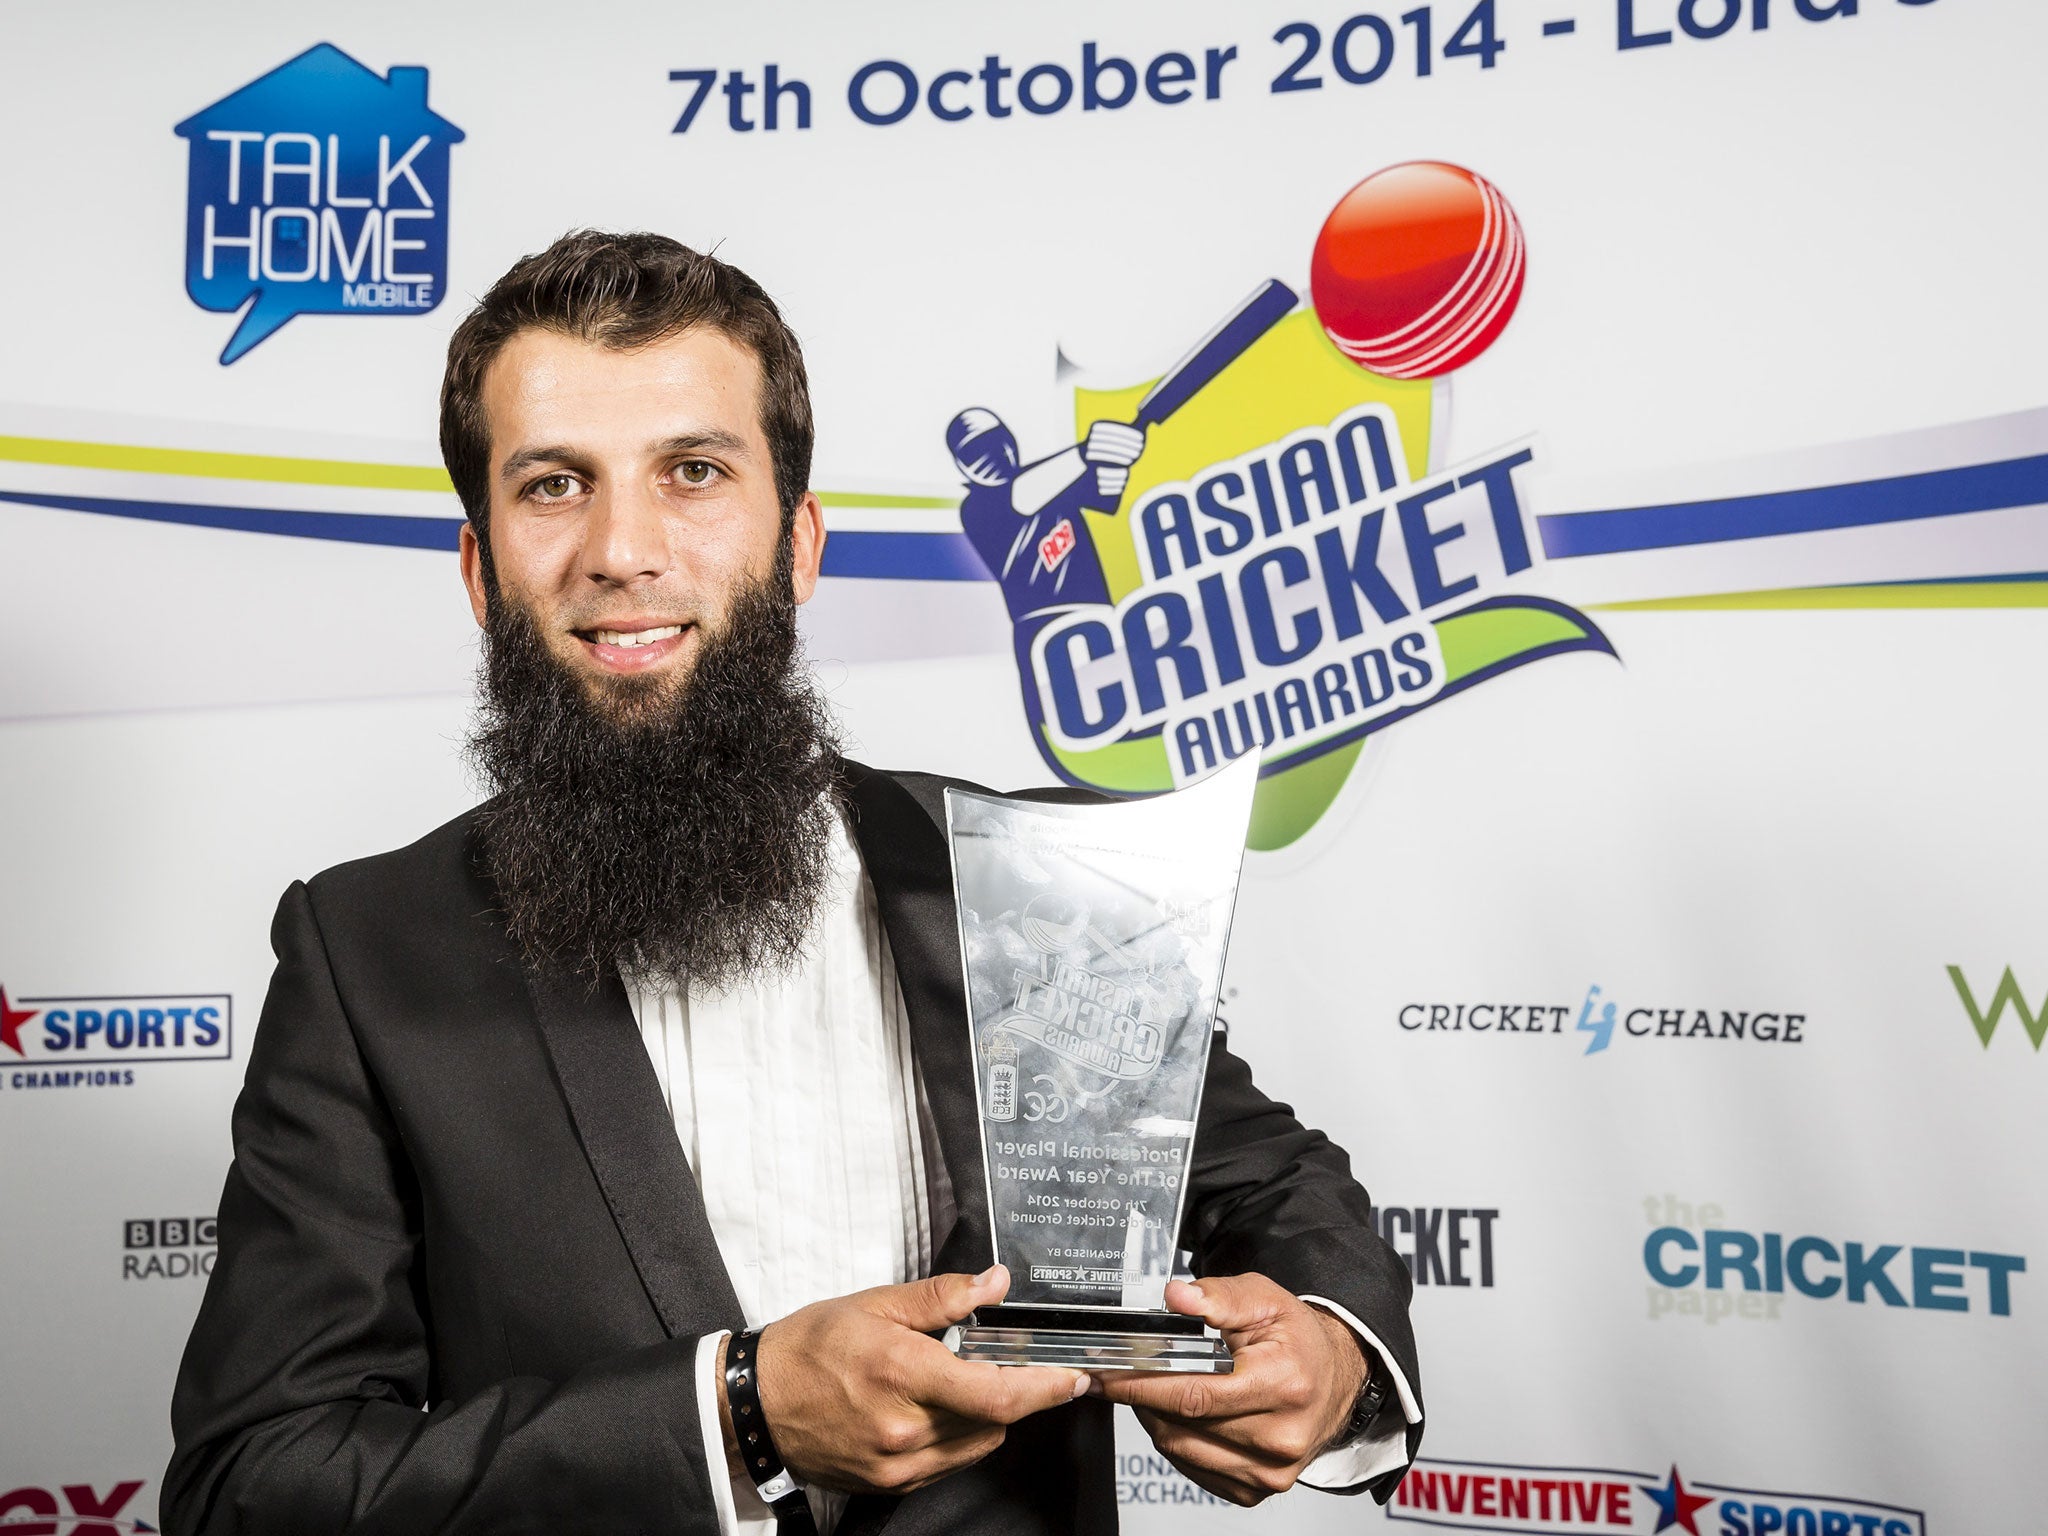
[(656, 827)]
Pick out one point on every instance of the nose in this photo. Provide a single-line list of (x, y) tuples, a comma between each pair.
[(624, 539)]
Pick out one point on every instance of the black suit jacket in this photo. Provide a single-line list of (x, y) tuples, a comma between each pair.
[(464, 1263)]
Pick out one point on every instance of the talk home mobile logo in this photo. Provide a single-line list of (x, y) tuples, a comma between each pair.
[(1599, 1021), (95, 1042), (1984, 1018), (319, 188), (71, 1508), (1579, 1501), (1702, 1268)]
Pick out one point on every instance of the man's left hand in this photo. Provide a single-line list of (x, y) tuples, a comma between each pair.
[(1297, 1372)]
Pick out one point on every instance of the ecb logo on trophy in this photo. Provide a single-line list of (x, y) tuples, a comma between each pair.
[(1261, 550), (319, 188)]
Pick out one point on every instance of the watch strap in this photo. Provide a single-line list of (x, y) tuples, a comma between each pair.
[(1372, 1396)]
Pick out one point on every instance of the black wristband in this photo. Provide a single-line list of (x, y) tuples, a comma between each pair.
[(778, 1488)]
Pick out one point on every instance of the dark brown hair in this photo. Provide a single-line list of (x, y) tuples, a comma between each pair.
[(622, 291)]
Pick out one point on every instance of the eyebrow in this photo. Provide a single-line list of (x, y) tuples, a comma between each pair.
[(710, 440)]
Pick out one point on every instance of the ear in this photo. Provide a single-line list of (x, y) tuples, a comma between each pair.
[(470, 551), (807, 546)]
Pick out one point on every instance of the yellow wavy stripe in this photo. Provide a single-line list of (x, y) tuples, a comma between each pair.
[(277, 468), (1946, 594), (223, 466), (883, 499)]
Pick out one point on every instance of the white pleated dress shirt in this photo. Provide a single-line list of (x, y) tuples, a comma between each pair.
[(800, 1107)]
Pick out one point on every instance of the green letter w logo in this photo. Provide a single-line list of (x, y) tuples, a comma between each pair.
[(1986, 1019)]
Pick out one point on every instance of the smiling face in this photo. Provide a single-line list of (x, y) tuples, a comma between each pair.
[(632, 500)]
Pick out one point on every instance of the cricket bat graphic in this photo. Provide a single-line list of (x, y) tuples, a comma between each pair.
[(1270, 303)]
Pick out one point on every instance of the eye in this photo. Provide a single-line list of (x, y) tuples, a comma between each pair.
[(554, 487), (696, 472)]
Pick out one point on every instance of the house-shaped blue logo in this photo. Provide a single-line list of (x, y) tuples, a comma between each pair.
[(319, 188)]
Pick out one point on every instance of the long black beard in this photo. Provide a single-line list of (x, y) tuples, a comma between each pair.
[(662, 832)]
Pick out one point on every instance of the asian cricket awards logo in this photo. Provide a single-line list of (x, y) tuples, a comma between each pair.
[(1253, 552)]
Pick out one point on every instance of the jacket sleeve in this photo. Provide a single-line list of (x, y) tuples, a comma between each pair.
[(306, 1401), (1269, 1196)]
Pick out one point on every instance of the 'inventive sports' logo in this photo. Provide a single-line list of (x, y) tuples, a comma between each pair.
[(95, 1042), (1258, 551), (319, 188), (1501, 1496)]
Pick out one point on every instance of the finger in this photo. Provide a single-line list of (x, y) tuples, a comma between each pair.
[(912, 1434), (1232, 1303), (939, 1301), (1265, 1439), (1230, 1446), (1265, 1379), (910, 1472), (993, 1394), (1186, 1397), (963, 1441), (1223, 1487), (1226, 1477)]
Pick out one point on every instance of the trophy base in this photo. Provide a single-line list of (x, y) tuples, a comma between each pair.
[(1090, 1340)]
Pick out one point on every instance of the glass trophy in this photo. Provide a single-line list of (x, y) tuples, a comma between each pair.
[(1093, 939)]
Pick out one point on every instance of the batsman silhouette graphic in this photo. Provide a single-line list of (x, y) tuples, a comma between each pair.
[(1028, 521)]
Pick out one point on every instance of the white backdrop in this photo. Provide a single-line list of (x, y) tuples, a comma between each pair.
[(1760, 265)]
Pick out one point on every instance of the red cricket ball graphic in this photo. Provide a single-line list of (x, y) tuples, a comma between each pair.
[(1417, 269)]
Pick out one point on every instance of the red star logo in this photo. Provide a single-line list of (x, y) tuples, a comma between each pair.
[(1675, 1506), (11, 1020)]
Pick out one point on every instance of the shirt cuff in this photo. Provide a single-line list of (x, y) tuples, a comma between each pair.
[(1370, 1455), (718, 1470)]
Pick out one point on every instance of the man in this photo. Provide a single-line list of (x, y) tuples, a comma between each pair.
[(552, 1111)]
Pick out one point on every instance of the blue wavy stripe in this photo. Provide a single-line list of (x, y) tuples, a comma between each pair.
[(1901, 498), (947, 556), (1958, 581), (903, 556), (342, 527), (854, 553)]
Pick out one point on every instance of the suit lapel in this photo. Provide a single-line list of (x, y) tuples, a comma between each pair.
[(616, 1104), (911, 868), (615, 1101)]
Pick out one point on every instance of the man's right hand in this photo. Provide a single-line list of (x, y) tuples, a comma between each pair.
[(861, 1398)]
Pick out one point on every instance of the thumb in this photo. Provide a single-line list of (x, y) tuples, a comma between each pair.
[(939, 1300), (1230, 1303)]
